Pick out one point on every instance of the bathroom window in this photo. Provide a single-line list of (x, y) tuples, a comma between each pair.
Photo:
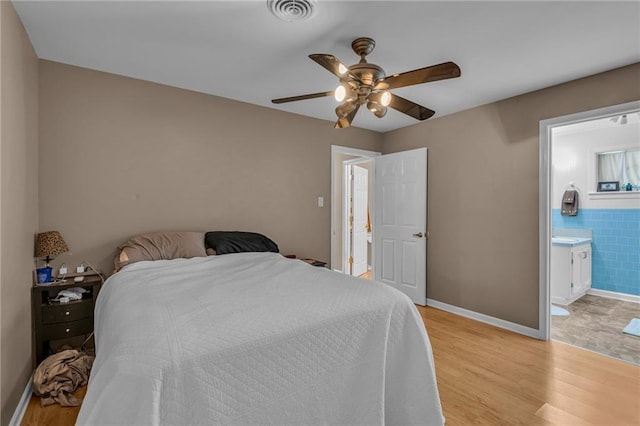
[(620, 166)]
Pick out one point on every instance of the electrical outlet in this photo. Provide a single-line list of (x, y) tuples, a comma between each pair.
[(81, 268)]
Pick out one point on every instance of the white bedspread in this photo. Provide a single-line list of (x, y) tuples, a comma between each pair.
[(256, 338)]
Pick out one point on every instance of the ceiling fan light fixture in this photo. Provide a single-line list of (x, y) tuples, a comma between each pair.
[(342, 69), (380, 112), (385, 99), (340, 93), (344, 93), (377, 108)]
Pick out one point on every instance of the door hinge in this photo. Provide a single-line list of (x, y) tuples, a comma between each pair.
[(571, 285), (351, 260)]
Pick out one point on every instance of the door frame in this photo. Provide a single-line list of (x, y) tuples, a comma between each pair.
[(343, 150), (545, 176), (346, 195)]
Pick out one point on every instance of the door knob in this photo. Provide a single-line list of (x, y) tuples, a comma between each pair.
[(419, 235)]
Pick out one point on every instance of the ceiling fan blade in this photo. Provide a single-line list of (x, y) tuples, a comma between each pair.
[(412, 109), (419, 76), (344, 122), (333, 65), (302, 97)]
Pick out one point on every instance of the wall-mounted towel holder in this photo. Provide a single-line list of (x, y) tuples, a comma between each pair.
[(570, 201)]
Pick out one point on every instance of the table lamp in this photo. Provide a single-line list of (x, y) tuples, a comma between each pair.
[(48, 245)]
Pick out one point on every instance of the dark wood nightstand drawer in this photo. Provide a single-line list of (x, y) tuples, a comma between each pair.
[(67, 312), (56, 325), (67, 329)]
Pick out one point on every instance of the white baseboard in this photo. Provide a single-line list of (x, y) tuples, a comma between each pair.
[(507, 325), (18, 413), (614, 295)]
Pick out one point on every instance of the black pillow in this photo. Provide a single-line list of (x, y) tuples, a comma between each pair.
[(225, 242)]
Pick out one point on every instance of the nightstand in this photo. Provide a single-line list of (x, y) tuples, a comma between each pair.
[(53, 321)]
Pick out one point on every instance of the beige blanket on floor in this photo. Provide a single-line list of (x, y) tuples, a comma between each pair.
[(60, 375)]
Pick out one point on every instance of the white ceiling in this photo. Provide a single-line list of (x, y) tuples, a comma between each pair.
[(238, 50)]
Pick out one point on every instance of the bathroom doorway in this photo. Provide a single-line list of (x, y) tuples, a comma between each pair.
[(588, 292)]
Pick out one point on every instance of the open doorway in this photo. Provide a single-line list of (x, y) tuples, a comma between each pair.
[(575, 158), (343, 159), (356, 217), (594, 281)]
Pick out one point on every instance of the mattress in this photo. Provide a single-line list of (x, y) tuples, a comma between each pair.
[(256, 338)]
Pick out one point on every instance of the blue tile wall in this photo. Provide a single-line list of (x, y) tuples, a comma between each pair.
[(615, 246)]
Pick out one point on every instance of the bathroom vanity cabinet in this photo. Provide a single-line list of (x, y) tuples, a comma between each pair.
[(570, 271)]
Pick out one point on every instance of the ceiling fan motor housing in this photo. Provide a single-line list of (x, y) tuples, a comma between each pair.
[(363, 46), (367, 73)]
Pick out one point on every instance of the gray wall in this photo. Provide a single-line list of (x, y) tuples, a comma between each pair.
[(483, 192), (18, 204), (120, 156)]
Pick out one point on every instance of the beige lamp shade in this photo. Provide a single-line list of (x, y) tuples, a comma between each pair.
[(49, 244)]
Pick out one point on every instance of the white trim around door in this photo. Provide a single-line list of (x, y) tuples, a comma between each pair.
[(337, 216), (546, 127)]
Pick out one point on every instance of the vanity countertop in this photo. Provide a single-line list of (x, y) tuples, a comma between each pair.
[(569, 241)]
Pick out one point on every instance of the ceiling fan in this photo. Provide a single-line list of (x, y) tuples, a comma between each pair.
[(365, 84)]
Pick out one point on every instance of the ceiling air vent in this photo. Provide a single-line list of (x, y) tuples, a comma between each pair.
[(292, 10)]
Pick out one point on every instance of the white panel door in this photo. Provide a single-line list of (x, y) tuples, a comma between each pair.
[(400, 222), (360, 196)]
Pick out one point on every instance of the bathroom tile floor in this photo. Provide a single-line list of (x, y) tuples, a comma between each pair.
[(595, 323)]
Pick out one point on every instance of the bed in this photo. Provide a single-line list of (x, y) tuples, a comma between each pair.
[(256, 338)]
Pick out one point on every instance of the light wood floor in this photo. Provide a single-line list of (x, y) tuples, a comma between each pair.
[(490, 376), (366, 275)]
